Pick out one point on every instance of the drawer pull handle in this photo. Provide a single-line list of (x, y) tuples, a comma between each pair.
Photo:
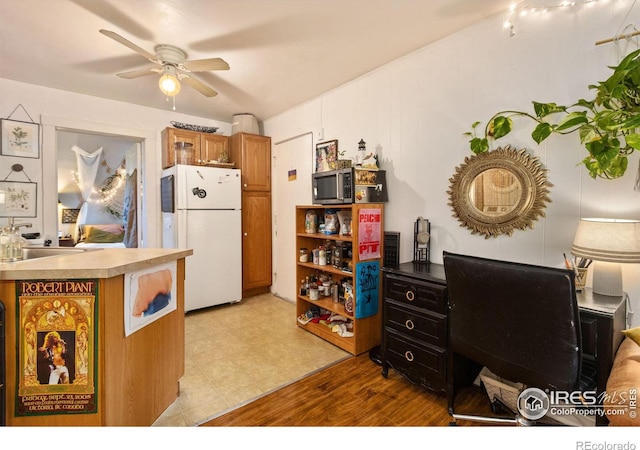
[(409, 324), (410, 295), (408, 355)]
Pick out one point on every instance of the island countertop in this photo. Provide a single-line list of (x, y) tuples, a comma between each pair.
[(93, 263)]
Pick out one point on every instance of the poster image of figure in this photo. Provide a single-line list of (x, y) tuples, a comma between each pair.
[(56, 363), (149, 295), (57, 347)]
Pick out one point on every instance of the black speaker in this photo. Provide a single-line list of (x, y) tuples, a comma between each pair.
[(391, 249)]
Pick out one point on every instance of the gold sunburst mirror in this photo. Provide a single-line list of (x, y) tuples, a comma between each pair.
[(497, 192)]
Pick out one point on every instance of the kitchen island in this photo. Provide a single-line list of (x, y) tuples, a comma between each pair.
[(108, 374)]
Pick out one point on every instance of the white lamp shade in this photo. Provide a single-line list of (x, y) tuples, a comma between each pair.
[(607, 242), (611, 240)]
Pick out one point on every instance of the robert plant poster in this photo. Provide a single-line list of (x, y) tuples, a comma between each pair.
[(56, 347)]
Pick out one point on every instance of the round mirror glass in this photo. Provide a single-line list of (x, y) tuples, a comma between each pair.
[(496, 192)]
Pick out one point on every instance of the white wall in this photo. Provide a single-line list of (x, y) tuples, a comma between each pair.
[(59, 109), (416, 109)]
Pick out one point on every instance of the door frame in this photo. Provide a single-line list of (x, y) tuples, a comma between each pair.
[(149, 224)]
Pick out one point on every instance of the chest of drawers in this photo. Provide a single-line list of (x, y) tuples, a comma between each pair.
[(414, 333)]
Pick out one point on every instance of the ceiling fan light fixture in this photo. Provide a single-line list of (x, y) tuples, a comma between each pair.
[(168, 83)]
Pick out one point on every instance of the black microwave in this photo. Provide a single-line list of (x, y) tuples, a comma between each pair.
[(333, 187)]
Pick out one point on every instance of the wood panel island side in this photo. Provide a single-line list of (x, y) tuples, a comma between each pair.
[(73, 354)]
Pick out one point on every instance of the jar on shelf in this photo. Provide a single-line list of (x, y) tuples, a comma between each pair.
[(303, 288), (304, 255), (184, 153), (326, 287), (322, 256), (313, 291), (311, 222)]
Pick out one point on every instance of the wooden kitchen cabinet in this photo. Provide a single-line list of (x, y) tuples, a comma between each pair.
[(251, 153), (206, 146), (133, 378), (256, 242)]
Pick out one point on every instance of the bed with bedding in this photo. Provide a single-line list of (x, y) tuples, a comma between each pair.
[(101, 236)]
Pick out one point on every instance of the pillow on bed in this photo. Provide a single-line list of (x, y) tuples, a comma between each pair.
[(101, 234)]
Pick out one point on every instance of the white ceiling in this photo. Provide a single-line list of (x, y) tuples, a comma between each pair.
[(281, 52)]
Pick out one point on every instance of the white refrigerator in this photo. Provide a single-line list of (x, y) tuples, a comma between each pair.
[(201, 210)]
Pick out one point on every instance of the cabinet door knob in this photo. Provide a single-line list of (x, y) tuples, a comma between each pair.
[(410, 295), (409, 324), (246, 234), (408, 355)]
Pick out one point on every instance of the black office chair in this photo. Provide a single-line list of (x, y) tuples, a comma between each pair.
[(519, 321)]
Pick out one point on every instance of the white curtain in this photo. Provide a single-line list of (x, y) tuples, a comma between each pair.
[(87, 164)]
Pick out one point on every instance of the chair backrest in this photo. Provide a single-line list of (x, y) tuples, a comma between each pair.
[(520, 321)]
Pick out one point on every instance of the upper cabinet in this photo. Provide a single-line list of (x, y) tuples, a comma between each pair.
[(192, 147), (252, 154)]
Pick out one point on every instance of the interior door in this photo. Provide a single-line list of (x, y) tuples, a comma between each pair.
[(292, 186)]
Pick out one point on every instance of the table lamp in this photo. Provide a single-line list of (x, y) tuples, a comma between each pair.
[(608, 242)]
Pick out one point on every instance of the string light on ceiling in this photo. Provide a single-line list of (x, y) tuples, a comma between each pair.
[(540, 8)]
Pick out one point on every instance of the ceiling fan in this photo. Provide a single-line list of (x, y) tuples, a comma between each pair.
[(174, 66)]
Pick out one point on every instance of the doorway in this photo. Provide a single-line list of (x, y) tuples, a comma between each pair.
[(292, 186), (143, 141), (110, 196)]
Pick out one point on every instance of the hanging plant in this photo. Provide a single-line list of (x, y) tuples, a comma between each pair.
[(607, 125)]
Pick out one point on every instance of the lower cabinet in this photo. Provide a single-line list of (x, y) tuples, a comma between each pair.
[(256, 242), (414, 330)]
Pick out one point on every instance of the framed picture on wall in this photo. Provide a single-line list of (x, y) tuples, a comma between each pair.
[(20, 139), (326, 156), (18, 199), (70, 215)]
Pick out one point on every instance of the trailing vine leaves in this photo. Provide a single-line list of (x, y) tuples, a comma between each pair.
[(607, 125)]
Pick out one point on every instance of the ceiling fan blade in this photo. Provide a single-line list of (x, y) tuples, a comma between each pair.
[(131, 45), (205, 65), (138, 73), (198, 86)]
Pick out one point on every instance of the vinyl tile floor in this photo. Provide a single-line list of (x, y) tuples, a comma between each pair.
[(236, 353)]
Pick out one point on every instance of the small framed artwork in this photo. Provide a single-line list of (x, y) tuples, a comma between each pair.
[(70, 215), (326, 156), (20, 138), (18, 199)]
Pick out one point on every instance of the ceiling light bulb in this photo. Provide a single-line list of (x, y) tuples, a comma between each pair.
[(169, 84)]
